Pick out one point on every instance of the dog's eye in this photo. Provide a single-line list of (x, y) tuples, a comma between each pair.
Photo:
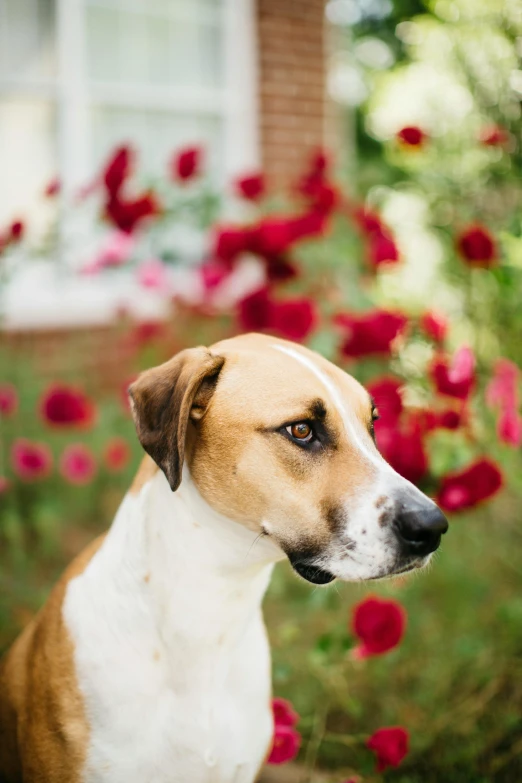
[(375, 414), (301, 432)]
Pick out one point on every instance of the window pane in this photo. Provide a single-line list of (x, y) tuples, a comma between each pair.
[(155, 135), (159, 43), (28, 156), (27, 39)]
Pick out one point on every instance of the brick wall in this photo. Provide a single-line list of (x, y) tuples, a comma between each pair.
[(292, 67)]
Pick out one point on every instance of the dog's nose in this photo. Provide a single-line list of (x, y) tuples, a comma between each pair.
[(420, 529)]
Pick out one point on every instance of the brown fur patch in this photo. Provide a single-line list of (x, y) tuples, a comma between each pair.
[(380, 501), (43, 728), (385, 518), (335, 516)]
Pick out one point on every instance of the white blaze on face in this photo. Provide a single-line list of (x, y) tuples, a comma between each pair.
[(338, 403)]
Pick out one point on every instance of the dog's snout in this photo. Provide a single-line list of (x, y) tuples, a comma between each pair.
[(420, 529)]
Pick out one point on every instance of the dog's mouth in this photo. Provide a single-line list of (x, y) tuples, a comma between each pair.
[(402, 570), (312, 573)]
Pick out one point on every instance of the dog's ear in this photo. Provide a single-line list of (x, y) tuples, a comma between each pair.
[(165, 397)]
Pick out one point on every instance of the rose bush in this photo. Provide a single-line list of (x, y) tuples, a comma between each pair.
[(285, 304)]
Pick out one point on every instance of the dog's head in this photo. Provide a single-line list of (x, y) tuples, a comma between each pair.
[(280, 440)]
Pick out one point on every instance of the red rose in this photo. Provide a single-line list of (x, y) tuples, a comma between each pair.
[(213, 273), (412, 136), (310, 224), (229, 242), (255, 311), (118, 169), (318, 161), (285, 745), (284, 713), (382, 250), (477, 246), (315, 173), (31, 460), (77, 464), (294, 319), (434, 325), (271, 237), (390, 745), (402, 446), (509, 427), (322, 195), (368, 221), (455, 379), (127, 214), (468, 487), (146, 332), (494, 136), (67, 406), (379, 624), (16, 230), (448, 420), (386, 394), (186, 163), (251, 187), (371, 333), (286, 738)]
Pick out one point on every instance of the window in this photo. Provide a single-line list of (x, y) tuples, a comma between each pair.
[(79, 76)]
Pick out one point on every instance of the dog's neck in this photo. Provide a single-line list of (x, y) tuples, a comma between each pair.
[(205, 574)]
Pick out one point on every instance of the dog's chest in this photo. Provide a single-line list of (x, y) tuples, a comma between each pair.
[(165, 713), (215, 730)]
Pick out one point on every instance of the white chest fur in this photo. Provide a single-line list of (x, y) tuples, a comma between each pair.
[(171, 652)]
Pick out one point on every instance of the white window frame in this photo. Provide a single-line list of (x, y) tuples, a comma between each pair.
[(236, 103)]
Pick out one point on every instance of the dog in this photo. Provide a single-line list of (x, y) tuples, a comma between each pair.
[(150, 661)]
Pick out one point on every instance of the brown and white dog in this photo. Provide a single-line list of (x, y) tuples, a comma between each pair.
[(150, 661)]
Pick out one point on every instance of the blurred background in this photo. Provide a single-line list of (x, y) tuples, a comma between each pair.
[(345, 174)]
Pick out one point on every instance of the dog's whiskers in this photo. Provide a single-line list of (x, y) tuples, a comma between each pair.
[(254, 542)]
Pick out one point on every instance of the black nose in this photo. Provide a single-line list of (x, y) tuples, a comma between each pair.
[(420, 529)]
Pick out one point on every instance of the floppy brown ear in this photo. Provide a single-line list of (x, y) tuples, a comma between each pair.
[(164, 398)]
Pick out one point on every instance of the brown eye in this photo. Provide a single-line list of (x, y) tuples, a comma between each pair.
[(300, 431)]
